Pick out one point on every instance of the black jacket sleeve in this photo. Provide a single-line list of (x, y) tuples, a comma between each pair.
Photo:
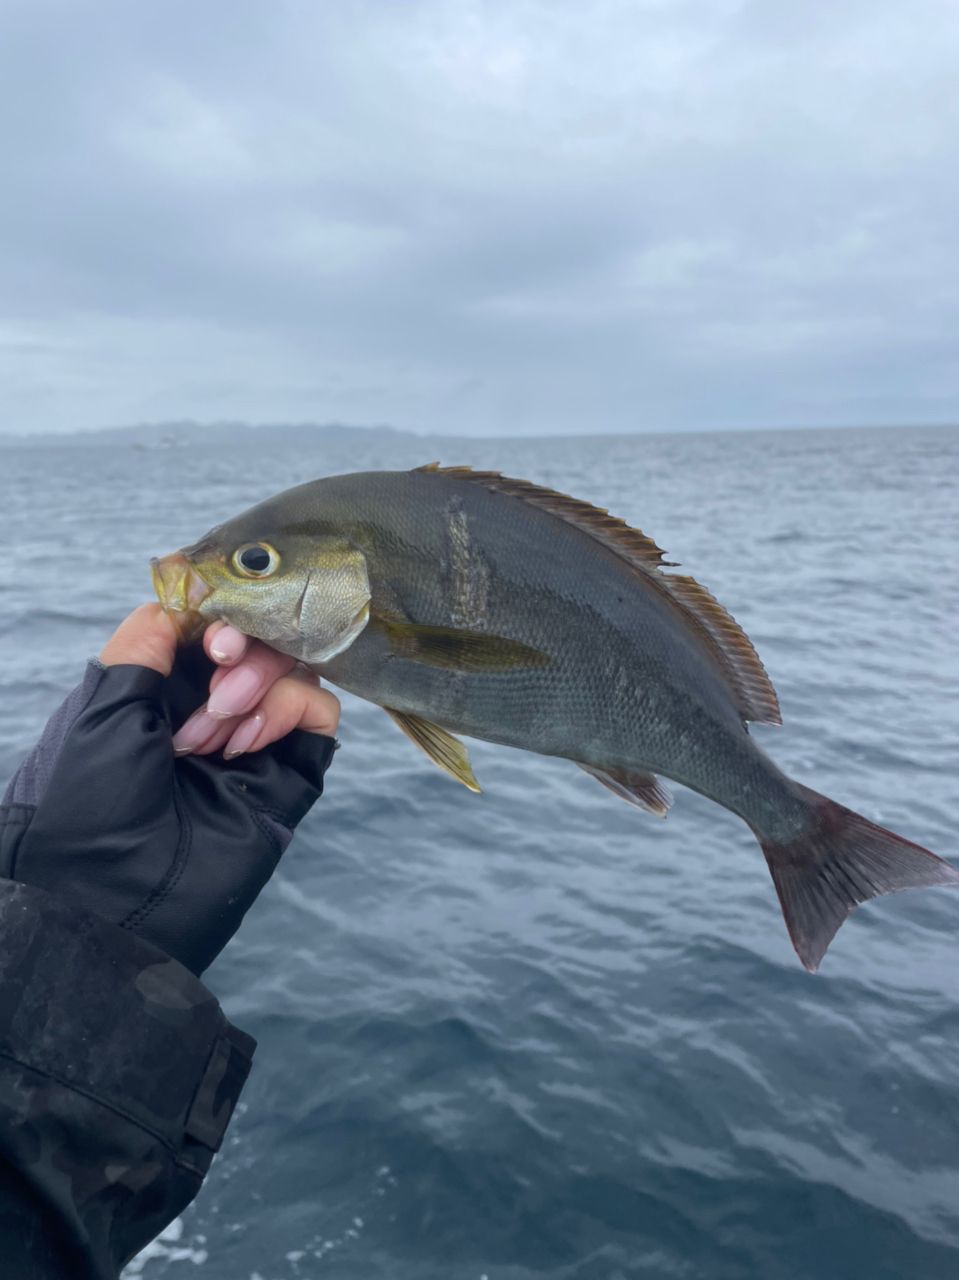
[(123, 871), (118, 1076)]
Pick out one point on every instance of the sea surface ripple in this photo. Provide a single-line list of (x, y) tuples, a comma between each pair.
[(536, 1034)]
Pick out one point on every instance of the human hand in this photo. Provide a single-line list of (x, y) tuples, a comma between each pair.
[(256, 694), (148, 828)]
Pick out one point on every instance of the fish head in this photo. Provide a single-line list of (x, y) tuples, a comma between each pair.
[(303, 591)]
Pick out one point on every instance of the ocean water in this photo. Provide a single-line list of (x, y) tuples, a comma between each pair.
[(537, 1034)]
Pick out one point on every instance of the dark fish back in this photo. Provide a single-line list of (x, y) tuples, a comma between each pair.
[(444, 551)]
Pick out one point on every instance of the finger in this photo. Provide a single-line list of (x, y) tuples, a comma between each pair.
[(282, 665), (236, 690), (224, 644), (206, 731), (315, 711), (202, 734), (147, 638), (294, 702)]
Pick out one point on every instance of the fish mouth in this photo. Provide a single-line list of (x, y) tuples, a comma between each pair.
[(178, 584)]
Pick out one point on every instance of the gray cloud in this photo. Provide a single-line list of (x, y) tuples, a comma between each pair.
[(479, 217)]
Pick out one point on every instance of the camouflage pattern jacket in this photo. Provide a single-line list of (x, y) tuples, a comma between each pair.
[(123, 872), (118, 1076)]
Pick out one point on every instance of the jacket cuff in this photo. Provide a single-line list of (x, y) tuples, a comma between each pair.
[(100, 1011)]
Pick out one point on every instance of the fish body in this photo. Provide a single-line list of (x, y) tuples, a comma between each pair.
[(629, 684), (466, 602)]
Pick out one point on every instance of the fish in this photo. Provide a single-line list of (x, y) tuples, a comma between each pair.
[(464, 602)]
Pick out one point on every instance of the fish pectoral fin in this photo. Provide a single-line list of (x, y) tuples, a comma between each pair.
[(442, 748), (641, 789), (456, 650)]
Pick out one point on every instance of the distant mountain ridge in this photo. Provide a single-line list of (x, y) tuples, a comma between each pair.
[(187, 431), (156, 435)]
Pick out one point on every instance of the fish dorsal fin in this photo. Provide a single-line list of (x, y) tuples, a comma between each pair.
[(724, 638)]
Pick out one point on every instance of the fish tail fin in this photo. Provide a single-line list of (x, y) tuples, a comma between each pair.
[(841, 861)]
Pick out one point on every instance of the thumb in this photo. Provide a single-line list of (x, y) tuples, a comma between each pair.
[(147, 638)]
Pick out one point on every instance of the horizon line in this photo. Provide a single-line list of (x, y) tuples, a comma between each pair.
[(80, 433)]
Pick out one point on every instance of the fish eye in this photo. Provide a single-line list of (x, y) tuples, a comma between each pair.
[(256, 560)]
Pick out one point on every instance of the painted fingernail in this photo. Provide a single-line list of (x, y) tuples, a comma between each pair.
[(237, 692), (195, 733), (244, 736), (228, 645)]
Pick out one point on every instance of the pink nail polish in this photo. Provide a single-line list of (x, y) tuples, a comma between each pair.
[(237, 692), (195, 732), (244, 737), (228, 645)]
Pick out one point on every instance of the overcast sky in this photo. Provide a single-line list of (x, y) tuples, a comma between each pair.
[(510, 217)]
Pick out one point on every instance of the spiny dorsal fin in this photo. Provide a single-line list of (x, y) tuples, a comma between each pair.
[(755, 696)]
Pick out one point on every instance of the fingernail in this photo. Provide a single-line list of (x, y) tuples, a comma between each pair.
[(195, 732), (228, 645), (243, 737), (237, 692)]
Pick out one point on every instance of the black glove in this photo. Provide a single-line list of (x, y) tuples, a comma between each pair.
[(103, 814)]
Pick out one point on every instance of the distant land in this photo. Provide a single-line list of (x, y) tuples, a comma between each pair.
[(159, 435), (186, 431)]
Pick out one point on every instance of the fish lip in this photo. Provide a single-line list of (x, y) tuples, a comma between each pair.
[(179, 585)]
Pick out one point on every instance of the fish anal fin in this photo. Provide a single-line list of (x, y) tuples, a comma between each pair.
[(729, 645), (641, 789), (454, 649), (446, 751)]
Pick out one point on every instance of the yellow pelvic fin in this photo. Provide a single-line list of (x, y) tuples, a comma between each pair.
[(456, 650), (442, 748), (641, 789)]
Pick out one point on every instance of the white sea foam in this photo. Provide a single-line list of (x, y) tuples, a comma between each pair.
[(170, 1247)]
